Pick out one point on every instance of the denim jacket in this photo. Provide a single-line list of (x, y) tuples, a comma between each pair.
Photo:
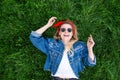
[(54, 51)]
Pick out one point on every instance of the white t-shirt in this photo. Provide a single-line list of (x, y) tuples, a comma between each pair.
[(64, 70)]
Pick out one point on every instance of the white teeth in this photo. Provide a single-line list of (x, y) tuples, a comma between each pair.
[(66, 35)]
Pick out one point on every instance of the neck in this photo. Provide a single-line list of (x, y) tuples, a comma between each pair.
[(66, 42), (67, 45)]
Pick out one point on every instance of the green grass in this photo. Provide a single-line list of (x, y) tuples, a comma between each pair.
[(19, 60)]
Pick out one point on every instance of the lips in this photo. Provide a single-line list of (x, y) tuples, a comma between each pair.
[(66, 35)]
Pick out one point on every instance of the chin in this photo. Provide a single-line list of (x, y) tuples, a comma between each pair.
[(66, 39)]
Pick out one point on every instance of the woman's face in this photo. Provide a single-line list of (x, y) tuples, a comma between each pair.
[(66, 32)]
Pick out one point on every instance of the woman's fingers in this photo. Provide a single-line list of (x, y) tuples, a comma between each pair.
[(90, 41), (51, 21), (90, 38)]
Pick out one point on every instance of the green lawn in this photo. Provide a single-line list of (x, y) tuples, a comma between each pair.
[(20, 60)]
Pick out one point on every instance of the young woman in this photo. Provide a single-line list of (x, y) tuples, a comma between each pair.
[(66, 56)]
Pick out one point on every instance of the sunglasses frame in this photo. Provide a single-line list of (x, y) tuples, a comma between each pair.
[(64, 29)]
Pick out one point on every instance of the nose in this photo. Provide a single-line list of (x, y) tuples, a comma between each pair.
[(66, 31)]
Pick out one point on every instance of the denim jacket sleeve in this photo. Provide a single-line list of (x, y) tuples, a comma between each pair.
[(39, 42), (87, 60)]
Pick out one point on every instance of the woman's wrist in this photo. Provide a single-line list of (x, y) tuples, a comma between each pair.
[(91, 54), (47, 26)]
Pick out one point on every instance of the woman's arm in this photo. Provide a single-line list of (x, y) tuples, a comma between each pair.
[(90, 45), (38, 40), (45, 27)]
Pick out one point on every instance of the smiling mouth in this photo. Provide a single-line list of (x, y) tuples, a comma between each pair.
[(66, 35)]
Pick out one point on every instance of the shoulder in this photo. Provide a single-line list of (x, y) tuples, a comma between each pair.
[(52, 40), (79, 45), (53, 43)]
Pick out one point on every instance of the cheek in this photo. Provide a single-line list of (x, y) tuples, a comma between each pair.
[(71, 34), (59, 33)]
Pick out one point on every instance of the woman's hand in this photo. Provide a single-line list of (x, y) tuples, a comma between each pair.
[(45, 27), (90, 45), (51, 21), (90, 42)]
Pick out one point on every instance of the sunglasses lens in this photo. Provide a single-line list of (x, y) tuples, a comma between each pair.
[(62, 29), (69, 30)]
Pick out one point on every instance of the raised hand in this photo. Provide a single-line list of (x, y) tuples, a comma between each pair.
[(51, 21), (90, 42), (45, 27)]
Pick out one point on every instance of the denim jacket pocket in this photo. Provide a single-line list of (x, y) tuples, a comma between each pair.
[(54, 55), (77, 63), (54, 58), (76, 60)]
